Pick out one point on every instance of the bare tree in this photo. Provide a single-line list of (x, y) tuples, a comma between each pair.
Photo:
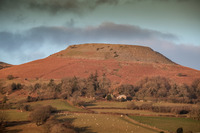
[(3, 119), (41, 114)]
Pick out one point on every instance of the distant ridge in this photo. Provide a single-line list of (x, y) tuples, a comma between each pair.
[(117, 52)]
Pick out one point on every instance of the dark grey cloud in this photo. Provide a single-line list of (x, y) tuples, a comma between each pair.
[(99, 2), (10, 41), (61, 35), (43, 41), (54, 6), (75, 6), (70, 23)]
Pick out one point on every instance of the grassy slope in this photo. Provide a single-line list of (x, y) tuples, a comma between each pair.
[(57, 103), (126, 111), (110, 104), (25, 128), (169, 123), (124, 104), (105, 123), (16, 115)]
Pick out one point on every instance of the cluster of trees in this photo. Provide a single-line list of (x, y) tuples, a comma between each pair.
[(98, 87), (193, 112), (53, 125), (4, 104), (43, 115), (161, 109), (162, 89), (93, 86), (10, 88)]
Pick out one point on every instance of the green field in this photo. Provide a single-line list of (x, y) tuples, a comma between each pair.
[(100, 123), (105, 123), (169, 123), (60, 104), (25, 128), (16, 115), (124, 104), (110, 104), (127, 111)]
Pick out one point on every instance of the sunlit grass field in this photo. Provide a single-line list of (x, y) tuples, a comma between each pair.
[(59, 104), (110, 104), (170, 123), (16, 115), (127, 111), (25, 128), (105, 123), (124, 104)]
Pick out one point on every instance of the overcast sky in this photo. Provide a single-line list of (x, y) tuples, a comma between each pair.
[(34, 29)]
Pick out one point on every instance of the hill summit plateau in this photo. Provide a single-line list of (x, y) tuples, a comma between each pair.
[(114, 51)]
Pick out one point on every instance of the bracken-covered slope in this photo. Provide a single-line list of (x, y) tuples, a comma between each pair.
[(120, 63), (4, 65)]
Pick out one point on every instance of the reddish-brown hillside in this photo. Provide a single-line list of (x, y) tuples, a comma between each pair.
[(4, 65), (120, 63)]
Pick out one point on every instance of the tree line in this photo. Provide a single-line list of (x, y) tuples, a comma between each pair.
[(98, 87)]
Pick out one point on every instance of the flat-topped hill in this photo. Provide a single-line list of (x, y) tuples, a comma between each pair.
[(120, 63), (114, 51)]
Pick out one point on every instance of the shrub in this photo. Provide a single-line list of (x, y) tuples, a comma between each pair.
[(31, 99), (41, 114), (3, 118), (61, 128), (37, 86), (64, 96), (161, 109), (126, 89), (132, 106), (156, 87), (5, 106), (195, 113), (5, 99), (10, 77), (146, 106), (179, 130), (109, 97), (181, 75), (15, 86), (129, 98), (23, 107), (81, 103), (123, 100), (55, 126)]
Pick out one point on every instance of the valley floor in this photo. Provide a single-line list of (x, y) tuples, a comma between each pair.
[(98, 118)]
